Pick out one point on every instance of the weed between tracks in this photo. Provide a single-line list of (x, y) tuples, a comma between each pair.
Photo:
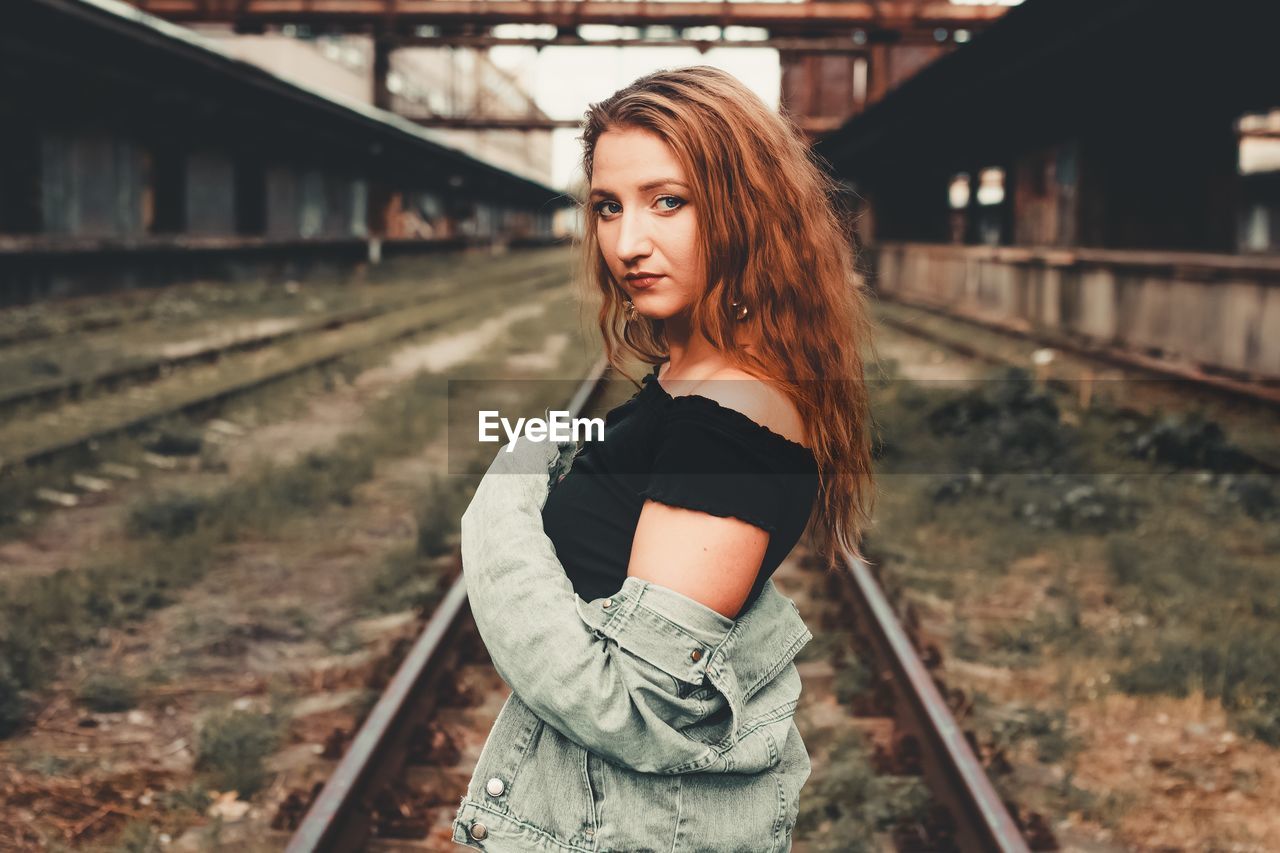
[(852, 806), (1079, 566)]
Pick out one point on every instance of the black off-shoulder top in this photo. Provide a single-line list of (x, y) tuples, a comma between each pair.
[(687, 451)]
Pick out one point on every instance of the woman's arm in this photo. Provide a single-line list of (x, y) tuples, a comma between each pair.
[(604, 676), (711, 559)]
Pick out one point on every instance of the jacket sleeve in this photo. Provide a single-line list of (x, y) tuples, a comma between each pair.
[(606, 673)]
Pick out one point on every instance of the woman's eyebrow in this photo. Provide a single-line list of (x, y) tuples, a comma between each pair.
[(645, 187)]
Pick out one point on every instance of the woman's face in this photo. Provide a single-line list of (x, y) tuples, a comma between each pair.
[(646, 224)]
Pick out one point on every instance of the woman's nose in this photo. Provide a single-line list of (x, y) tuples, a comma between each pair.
[(634, 240)]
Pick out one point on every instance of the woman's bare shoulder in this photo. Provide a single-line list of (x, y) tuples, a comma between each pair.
[(734, 388)]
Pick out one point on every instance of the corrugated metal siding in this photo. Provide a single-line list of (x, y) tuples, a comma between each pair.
[(282, 202), (92, 186), (359, 223), (211, 208), (19, 180), (312, 201)]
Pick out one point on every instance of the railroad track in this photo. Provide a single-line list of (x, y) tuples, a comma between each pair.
[(240, 368), (1078, 366), (398, 784), (277, 330)]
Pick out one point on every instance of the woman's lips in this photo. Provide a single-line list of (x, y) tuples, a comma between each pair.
[(644, 283)]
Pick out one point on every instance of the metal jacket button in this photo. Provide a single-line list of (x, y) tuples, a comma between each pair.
[(696, 654), (495, 787), (608, 602), (478, 831)]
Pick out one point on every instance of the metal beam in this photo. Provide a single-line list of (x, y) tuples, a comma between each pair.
[(806, 123), (829, 44), (494, 123), (820, 15)]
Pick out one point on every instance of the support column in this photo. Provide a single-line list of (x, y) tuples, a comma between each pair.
[(382, 47)]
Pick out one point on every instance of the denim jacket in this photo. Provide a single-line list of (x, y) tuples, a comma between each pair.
[(642, 721)]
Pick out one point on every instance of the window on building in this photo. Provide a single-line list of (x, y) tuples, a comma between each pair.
[(1259, 190), (860, 80), (958, 192), (1259, 142), (991, 187)]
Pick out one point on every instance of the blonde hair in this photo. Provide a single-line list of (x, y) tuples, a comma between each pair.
[(771, 236)]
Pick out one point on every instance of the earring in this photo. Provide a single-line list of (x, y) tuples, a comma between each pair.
[(740, 309), (630, 308)]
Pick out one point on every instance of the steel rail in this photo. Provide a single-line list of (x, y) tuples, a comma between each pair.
[(952, 771), (339, 819), (340, 816)]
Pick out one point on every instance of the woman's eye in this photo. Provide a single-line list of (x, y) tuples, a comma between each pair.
[(661, 202)]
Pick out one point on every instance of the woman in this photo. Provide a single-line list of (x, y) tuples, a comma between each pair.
[(630, 609)]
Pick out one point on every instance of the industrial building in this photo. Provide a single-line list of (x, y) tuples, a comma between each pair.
[(1079, 171), (136, 151)]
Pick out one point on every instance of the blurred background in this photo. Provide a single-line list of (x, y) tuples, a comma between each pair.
[(246, 246)]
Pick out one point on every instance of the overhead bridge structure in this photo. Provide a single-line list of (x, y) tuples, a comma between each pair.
[(836, 57)]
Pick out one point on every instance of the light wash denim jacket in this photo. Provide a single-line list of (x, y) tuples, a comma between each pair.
[(642, 721)]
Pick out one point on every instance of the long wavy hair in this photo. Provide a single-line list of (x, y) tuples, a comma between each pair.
[(772, 236)]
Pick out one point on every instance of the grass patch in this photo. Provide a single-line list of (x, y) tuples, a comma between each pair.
[(137, 837), (437, 516), (167, 516), (13, 699), (1055, 629), (106, 693), (1048, 730), (232, 748), (192, 800), (850, 803), (1239, 668), (43, 617), (404, 581), (1217, 626), (41, 763)]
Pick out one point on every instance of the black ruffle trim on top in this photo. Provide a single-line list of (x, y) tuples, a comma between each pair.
[(696, 402)]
